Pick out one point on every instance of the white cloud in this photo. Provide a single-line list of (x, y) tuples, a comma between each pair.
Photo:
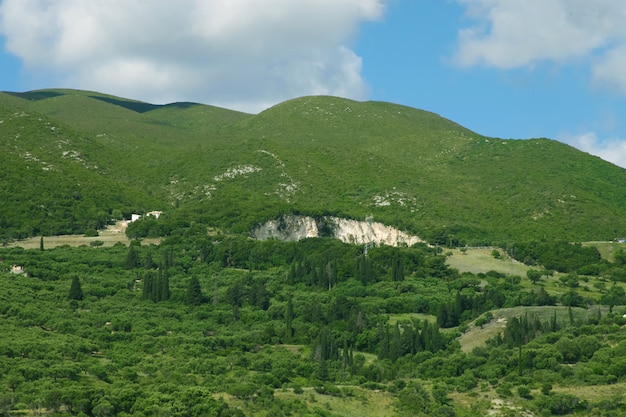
[(243, 54), (610, 70), (514, 34), (613, 150)]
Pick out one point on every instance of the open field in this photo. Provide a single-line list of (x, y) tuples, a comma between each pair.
[(481, 261), (108, 239), (356, 401), (595, 392), (606, 249), (477, 336), (395, 318)]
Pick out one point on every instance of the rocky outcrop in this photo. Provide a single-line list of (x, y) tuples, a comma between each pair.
[(288, 228), (294, 228)]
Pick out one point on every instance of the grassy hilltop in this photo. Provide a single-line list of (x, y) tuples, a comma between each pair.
[(409, 168)]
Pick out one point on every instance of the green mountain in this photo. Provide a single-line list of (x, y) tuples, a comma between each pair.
[(73, 160), (224, 325)]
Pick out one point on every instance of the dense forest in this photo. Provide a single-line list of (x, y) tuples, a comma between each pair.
[(227, 326)]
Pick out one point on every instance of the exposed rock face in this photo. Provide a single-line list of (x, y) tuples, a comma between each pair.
[(288, 228), (293, 228), (357, 232)]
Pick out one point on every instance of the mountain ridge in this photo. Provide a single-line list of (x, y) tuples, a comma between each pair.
[(314, 155)]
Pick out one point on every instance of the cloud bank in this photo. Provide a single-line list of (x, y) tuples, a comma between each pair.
[(514, 34), (509, 35), (239, 54)]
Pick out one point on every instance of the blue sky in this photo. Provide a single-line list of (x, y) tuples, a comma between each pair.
[(509, 69), (410, 58)]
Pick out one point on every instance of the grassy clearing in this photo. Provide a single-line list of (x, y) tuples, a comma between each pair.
[(477, 336), (108, 239), (481, 261), (606, 249), (594, 393), (395, 318), (356, 402)]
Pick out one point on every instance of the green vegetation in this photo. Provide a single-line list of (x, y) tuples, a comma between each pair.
[(231, 326), (185, 315), (77, 160)]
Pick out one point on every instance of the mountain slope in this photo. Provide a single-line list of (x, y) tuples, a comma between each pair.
[(53, 180), (313, 155)]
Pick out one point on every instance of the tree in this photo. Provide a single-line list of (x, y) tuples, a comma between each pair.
[(156, 286), (169, 258), (206, 251), (163, 286), (149, 262), (619, 257), (546, 387), (524, 392), (289, 318), (76, 292), (397, 269), (414, 400), (534, 275), (572, 299), (615, 296), (194, 292), (235, 296), (41, 244), (259, 296), (132, 258)]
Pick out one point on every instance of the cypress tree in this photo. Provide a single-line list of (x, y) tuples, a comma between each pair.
[(519, 362), (554, 324), (206, 251), (148, 286), (345, 355), (383, 345), (163, 286), (132, 258), (149, 262), (289, 318), (194, 292), (76, 292), (215, 293), (322, 371), (156, 287), (397, 269), (259, 296), (168, 258), (395, 344)]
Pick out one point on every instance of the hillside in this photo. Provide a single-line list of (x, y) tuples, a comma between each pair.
[(189, 315), (219, 326), (90, 157)]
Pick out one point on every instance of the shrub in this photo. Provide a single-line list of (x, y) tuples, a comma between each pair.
[(504, 390), (524, 392), (328, 389), (546, 387), (484, 319)]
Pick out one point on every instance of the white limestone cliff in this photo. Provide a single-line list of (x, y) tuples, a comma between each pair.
[(294, 228)]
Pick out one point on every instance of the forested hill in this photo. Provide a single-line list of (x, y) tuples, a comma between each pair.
[(74, 160)]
